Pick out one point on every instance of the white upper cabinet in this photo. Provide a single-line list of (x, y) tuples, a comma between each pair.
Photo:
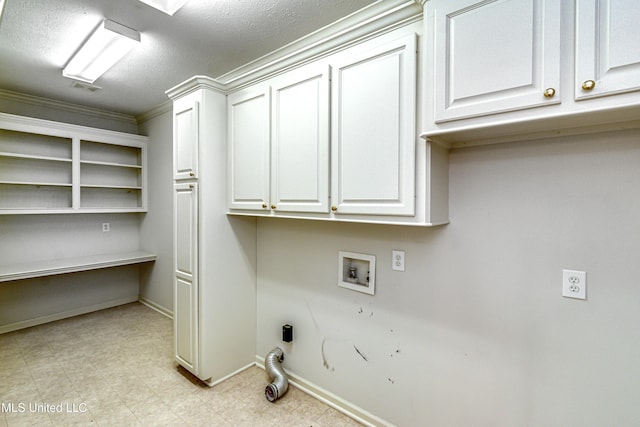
[(494, 55), (374, 130), (279, 143), (337, 139), (607, 52), (300, 141), (185, 147), (494, 74), (248, 152)]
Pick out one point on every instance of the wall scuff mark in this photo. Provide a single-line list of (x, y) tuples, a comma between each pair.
[(325, 363), (360, 353), (313, 318)]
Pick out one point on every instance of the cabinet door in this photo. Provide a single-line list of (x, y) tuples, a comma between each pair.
[(248, 166), (374, 131), (494, 55), (185, 139), (607, 53), (186, 275), (300, 141)]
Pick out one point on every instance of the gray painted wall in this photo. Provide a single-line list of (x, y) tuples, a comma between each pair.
[(156, 226), (475, 332)]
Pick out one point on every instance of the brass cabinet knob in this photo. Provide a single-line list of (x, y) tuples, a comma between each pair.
[(588, 85), (549, 92), (273, 206), (192, 174), (264, 206), (334, 208)]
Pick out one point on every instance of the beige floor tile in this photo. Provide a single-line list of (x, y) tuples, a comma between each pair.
[(119, 415), (333, 418), (28, 419), (118, 364)]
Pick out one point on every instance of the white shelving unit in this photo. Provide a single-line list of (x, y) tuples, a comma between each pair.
[(50, 167), (110, 176)]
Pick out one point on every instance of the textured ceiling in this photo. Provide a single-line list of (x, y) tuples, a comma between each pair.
[(205, 37)]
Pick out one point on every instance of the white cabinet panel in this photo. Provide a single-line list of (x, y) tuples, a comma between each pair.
[(493, 56), (373, 131), (607, 53), (248, 156), (186, 280), (300, 141), (186, 232), (185, 148), (185, 323)]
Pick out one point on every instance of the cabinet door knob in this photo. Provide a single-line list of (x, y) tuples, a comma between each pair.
[(264, 206), (334, 208), (192, 174), (588, 85), (549, 92), (273, 206)]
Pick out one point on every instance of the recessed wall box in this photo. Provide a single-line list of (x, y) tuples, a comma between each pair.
[(357, 272)]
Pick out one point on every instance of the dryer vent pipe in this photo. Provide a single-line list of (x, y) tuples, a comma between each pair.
[(279, 383)]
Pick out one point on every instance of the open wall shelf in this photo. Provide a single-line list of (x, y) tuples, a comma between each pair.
[(50, 167)]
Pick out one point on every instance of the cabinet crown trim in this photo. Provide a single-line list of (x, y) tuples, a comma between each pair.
[(372, 21)]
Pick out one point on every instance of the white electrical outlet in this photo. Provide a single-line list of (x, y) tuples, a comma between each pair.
[(397, 260), (106, 227), (574, 284)]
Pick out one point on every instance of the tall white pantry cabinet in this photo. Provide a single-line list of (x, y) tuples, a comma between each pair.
[(214, 256)]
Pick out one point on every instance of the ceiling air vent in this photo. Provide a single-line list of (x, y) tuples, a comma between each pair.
[(86, 86)]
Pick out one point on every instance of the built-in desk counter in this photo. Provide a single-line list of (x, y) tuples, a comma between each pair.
[(30, 270)]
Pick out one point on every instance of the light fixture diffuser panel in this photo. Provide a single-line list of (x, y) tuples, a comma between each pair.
[(108, 44), (167, 6)]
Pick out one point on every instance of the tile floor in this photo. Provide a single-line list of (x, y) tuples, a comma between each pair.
[(115, 368)]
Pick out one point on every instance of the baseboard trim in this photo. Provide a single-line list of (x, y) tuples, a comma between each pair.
[(65, 314), (156, 307), (336, 402), (226, 377)]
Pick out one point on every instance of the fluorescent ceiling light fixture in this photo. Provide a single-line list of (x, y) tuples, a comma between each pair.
[(108, 44), (167, 6)]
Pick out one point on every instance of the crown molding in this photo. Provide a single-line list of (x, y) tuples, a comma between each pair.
[(367, 23), (165, 107), (193, 84), (38, 101)]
